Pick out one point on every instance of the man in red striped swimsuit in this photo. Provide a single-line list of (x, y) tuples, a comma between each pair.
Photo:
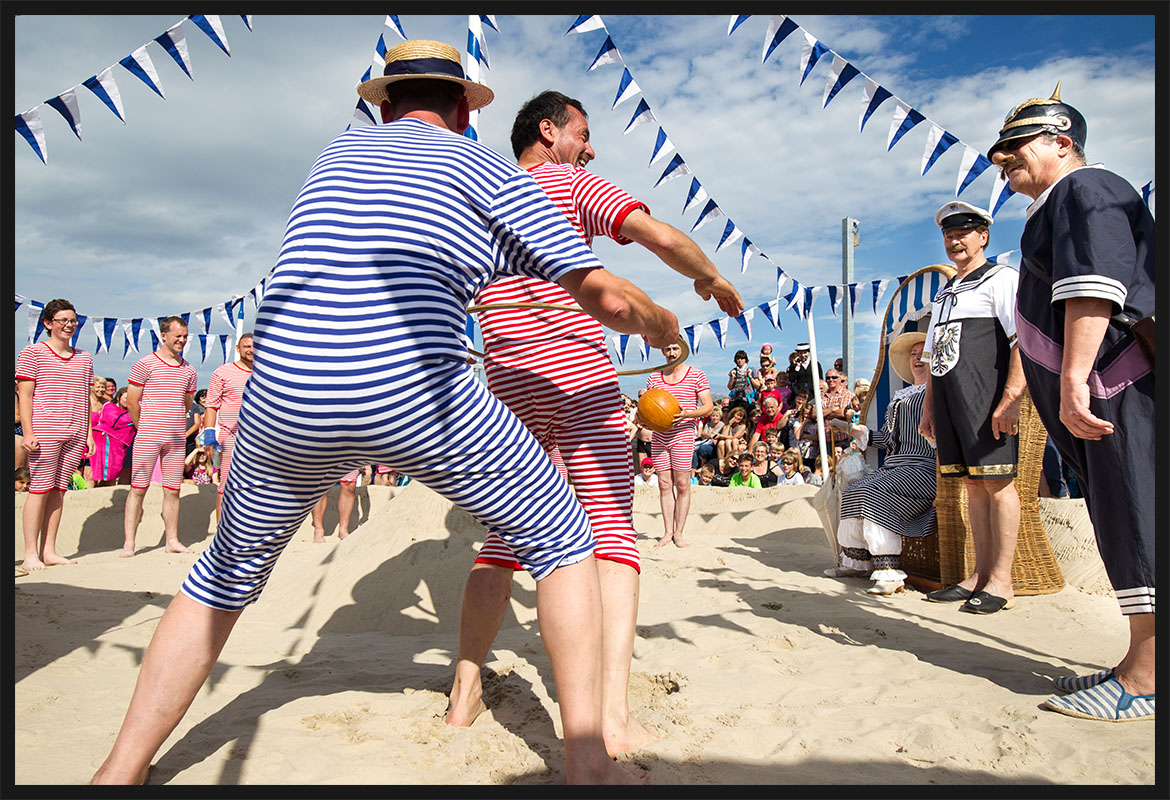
[(162, 386), (552, 370), (52, 381), (225, 390)]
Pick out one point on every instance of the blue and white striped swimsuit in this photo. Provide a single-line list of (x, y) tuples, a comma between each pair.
[(361, 356)]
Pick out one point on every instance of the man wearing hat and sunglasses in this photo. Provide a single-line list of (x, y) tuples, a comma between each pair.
[(1085, 316), (396, 229), (972, 406)]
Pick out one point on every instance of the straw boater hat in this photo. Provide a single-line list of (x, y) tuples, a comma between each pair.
[(422, 58), (900, 354)]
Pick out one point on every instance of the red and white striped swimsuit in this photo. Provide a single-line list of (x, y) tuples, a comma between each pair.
[(162, 419), (224, 393), (60, 413), (675, 450), (552, 370)]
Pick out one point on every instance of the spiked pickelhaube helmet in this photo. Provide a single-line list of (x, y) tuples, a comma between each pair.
[(1043, 115)]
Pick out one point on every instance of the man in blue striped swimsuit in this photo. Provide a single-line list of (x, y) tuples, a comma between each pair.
[(396, 229)]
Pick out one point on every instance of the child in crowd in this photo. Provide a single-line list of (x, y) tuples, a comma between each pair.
[(706, 475), (745, 476), (815, 478), (646, 476), (791, 466), (198, 469), (22, 479), (113, 435)]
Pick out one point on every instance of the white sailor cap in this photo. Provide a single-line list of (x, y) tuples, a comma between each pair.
[(957, 214)]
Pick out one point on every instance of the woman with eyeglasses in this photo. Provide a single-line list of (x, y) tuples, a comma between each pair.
[(54, 383)]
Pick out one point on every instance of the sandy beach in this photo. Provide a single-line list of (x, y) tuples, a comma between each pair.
[(754, 667)]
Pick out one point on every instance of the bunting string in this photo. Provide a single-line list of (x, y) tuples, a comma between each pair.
[(103, 85)]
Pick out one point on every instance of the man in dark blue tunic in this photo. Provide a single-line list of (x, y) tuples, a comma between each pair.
[(1086, 294)]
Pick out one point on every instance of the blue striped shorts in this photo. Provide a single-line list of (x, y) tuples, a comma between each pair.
[(443, 428)]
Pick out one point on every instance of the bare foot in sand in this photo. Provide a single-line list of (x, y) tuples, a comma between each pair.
[(664, 541), (126, 552), (178, 547), (609, 773), (33, 564), (678, 542), (342, 534), (108, 776), (319, 536), (55, 560), (629, 737), (463, 708)]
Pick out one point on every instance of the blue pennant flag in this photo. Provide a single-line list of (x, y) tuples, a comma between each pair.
[(139, 65), (1004, 194), (818, 50), (622, 343), (677, 167), (175, 44), (848, 73), (95, 84), (943, 145), (81, 318), (696, 194), (808, 301), (692, 339), (364, 110), (136, 331), (745, 322), (782, 33), (392, 19), (771, 311), (210, 25), (223, 345), (833, 298), (28, 134), (584, 23), (608, 54), (380, 48), (153, 340), (247, 18), (978, 168), (735, 22), (730, 234), (186, 317), (661, 145), (880, 95), (490, 20), (125, 348), (206, 318), (913, 117), (719, 328), (709, 212), (627, 88), (642, 115), (746, 249), (203, 348), (475, 50), (853, 294), (469, 328), (109, 325), (366, 75), (790, 298), (66, 106)]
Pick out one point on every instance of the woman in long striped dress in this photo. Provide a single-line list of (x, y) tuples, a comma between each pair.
[(897, 500)]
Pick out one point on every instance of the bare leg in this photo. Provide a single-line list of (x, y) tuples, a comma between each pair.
[(1004, 526), (666, 499), (568, 606), (133, 515), (218, 507), (34, 512), (682, 504), (170, 518), (345, 501), (619, 610), (979, 511), (52, 519), (182, 652), (318, 514), (1136, 671), (485, 602)]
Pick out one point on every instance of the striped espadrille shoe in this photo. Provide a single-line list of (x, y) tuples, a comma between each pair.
[(1077, 682), (1107, 701)]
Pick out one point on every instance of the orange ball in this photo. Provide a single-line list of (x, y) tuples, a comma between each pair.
[(657, 408)]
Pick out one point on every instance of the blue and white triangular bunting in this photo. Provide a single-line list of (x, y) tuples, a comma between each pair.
[(66, 105), (174, 42), (608, 54), (210, 24), (586, 23), (642, 115), (140, 66), (627, 88)]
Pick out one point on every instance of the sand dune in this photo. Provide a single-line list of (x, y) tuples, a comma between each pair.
[(755, 668)]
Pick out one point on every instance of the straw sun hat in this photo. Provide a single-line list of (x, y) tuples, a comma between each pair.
[(422, 58), (900, 354)]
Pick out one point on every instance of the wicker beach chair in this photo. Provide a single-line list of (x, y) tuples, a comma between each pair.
[(948, 557)]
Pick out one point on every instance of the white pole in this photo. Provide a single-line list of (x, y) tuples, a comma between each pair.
[(816, 387)]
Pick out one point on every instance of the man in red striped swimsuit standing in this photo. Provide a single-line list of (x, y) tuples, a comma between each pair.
[(225, 390), (552, 370), (52, 381), (162, 386)]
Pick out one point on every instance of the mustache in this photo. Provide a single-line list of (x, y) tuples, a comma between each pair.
[(1009, 162)]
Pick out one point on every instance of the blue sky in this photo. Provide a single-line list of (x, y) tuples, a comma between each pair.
[(184, 205)]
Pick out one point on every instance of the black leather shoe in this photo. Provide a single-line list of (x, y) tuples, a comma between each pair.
[(984, 603), (951, 594)]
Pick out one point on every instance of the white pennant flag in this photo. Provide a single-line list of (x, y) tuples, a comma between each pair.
[(710, 212), (815, 291), (719, 328), (771, 310), (642, 115), (619, 354), (34, 314), (392, 22), (1001, 183), (835, 298), (128, 330), (745, 322), (33, 120), (145, 70), (694, 336), (644, 348), (586, 23), (662, 147), (746, 253), (154, 327), (105, 81), (71, 112), (970, 155), (98, 325), (695, 195), (839, 65), (900, 112), (881, 289), (174, 41), (730, 234), (932, 140), (627, 88)]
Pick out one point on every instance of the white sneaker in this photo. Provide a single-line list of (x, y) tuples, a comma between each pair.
[(845, 572), (886, 587)]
